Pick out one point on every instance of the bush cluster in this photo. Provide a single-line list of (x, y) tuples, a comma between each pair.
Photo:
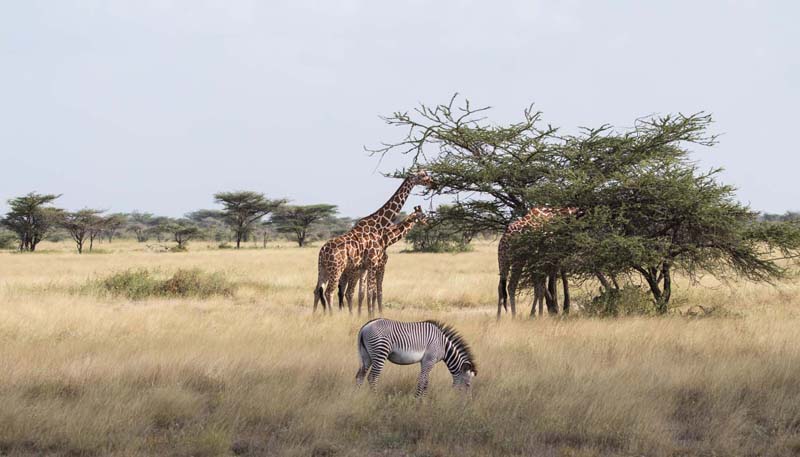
[(138, 284)]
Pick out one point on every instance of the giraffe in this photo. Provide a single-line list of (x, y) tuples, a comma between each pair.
[(346, 251), (507, 287), (377, 257)]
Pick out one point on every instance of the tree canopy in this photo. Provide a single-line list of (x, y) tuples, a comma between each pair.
[(649, 209), (243, 208), (31, 219), (298, 220)]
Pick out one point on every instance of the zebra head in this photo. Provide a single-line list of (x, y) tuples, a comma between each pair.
[(464, 378)]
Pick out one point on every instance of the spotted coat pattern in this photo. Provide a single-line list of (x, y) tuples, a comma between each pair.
[(511, 272), (347, 251)]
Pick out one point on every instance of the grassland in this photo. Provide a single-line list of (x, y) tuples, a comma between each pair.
[(254, 373)]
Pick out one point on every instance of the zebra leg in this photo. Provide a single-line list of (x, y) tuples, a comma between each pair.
[(378, 360), (424, 376)]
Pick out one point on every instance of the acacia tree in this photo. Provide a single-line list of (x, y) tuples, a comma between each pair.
[(297, 220), (212, 222), (113, 223), (139, 223), (31, 219), (182, 230), (650, 209), (243, 208), (80, 224)]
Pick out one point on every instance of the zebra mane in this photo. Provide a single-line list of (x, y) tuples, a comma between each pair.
[(458, 341)]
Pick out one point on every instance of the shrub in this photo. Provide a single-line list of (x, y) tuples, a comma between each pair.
[(195, 283), (133, 284), (436, 236), (8, 240), (140, 284), (630, 300)]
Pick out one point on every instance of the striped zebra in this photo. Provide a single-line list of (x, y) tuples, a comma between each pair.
[(405, 343)]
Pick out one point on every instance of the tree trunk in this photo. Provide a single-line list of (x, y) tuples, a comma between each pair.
[(551, 293), (661, 297), (238, 239), (566, 291), (663, 304), (603, 280)]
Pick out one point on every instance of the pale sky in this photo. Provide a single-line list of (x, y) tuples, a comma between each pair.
[(156, 105)]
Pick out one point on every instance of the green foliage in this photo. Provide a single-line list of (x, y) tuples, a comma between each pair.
[(139, 284), (298, 221), (439, 234), (243, 208), (649, 210), (81, 224), (8, 240), (630, 300), (31, 219), (181, 230)]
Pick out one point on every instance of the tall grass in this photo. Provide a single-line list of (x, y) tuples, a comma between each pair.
[(254, 373)]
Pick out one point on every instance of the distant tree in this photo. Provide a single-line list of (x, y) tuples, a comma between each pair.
[(158, 227), (113, 223), (80, 224), (139, 223), (8, 240), (182, 230), (212, 222), (31, 219), (298, 220), (243, 208), (785, 217)]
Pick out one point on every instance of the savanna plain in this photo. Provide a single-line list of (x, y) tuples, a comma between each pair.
[(250, 370)]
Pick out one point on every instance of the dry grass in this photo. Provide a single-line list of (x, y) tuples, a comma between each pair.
[(255, 374)]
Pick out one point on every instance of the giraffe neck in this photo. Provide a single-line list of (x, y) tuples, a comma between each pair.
[(398, 231), (535, 217), (385, 215)]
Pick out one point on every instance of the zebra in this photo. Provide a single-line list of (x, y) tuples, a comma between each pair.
[(405, 343)]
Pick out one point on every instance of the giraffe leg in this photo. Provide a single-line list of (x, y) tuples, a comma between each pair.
[(371, 292), (541, 296), (361, 287), (333, 284), (379, 288), (513, 281), (342, 287), (351, 286)]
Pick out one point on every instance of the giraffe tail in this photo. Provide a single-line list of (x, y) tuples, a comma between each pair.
[(502, 293)]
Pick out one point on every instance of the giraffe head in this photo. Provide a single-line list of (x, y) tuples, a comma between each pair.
[(421, 178), (419, 216)]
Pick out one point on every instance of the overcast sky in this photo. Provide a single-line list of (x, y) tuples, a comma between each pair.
[(156, 105)]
